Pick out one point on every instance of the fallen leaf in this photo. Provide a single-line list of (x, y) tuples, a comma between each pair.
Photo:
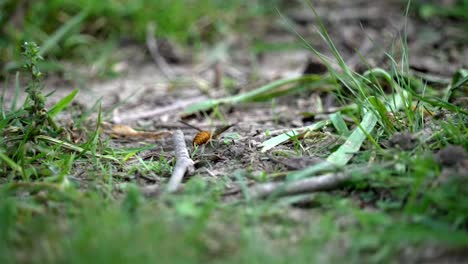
[(120, 130)]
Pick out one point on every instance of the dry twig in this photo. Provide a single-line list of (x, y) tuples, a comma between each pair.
[(314, 184), (184, 164)]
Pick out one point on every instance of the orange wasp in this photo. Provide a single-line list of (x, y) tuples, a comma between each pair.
[(202, 137)]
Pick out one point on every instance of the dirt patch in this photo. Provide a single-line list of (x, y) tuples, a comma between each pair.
[(144, 99)]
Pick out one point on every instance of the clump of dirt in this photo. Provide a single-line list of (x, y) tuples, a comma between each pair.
[(454, 162), (451, 156), (404, 141)]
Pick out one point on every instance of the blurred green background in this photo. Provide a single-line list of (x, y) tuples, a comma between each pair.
[(83, 28), (88, 30)]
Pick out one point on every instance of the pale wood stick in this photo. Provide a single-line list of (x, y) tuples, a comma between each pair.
[(324, 182), (184, 164), (309, 185)]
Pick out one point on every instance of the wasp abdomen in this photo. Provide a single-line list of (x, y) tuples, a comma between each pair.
[(201, 138)]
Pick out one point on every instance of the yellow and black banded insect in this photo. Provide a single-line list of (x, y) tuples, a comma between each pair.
[(203, 136)]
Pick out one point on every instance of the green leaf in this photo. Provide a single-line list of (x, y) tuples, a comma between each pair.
[(344, 153), (458, 80), (339, 124), (382, 110), (11, 163), (63, 103)]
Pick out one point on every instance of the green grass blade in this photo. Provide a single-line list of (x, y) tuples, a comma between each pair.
[(88, 113), (311, 170), (244, 97), (323, 85), (6, 119), (275, 141), (439, 102), (339, 124), (344, 153), (90, 145), (61, 32), (382, 110), (11, 163), (463, 78), (63, 103), (459, 79), (252, 95), (202, 106), (72, 147)]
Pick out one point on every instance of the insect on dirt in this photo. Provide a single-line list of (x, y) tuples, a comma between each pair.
[(203, 136)]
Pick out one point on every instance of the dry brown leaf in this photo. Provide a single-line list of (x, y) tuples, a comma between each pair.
[(120, 130)]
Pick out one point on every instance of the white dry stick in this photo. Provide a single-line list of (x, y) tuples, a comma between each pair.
[(184, 164), (313, 184), (324, 182)]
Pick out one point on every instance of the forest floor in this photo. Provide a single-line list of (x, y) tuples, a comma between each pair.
[(402, 198)]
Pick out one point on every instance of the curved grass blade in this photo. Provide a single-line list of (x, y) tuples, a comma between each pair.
[(435, 101), (339, 124), (11, 163), (344, 153), (275, 141), (352, 145), (73, 147), (459, 79), (63, 103), (379, 106), (202, 106), (244, 97), (252, 95)]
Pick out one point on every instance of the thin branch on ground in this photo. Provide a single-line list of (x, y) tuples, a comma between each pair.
[(309, 185), (184, 164), (324, 182)]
